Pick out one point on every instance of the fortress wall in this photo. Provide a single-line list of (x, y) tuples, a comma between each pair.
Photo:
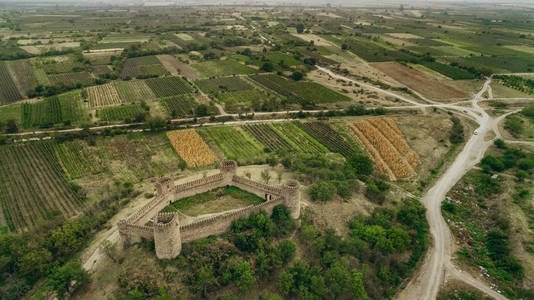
[(131, 233), (256, 188), (222, 223), (202, 185)]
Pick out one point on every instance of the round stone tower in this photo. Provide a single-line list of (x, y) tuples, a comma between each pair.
[(167, 236), (291, 192), (228, 169)]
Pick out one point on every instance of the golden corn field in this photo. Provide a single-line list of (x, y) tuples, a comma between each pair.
[(191, 147), (386, 144)]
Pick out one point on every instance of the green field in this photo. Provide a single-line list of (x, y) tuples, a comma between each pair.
[(33, 185), (222, 68), (235, 143), (120, 113), (133, 91), (77, 160), (8, 91), (42, 114), (302, 92), (224, 84), (168, 86), (297, 138), (180, 106)]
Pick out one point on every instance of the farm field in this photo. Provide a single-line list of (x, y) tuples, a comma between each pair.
[(302, 92), (235, 143), (71, 79), (179, 106), (222, 68), (191, 148), (327, 136), (387, 146), (267, 137), (119, 113), (297, 138), (43, 114), (234, 100), (171, 64), (11, 112), (8, 90), (142, 66), (77, 160), (223, 84), (103, 95), (417, 81), (168, 86), (133, 91), (22, 75), (33, 185)]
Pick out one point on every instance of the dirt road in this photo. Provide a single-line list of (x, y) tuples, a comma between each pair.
[(438, 264)]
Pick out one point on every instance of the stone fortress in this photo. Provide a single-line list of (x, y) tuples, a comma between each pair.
[(166, 231)]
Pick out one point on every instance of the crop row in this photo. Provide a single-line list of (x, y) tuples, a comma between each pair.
[(297, 138), (33, 185), (384, 148), (327, 136), (236, 144), (42, 114), (225, 84), (8, 90), (169, 86), (120, 113), (267, 137), (103, 95), (180, 106), (191, 148), (133, 91), (76, 159)]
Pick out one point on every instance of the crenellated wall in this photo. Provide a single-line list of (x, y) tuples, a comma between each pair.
[(167, 232)]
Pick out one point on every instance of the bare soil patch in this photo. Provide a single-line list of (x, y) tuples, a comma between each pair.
[(397, 42), (417, 81), (170, 63), (317, 40)]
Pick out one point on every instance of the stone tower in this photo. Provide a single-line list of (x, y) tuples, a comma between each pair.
[(167, 236), (228, 170), (291, 192), (164, 185)]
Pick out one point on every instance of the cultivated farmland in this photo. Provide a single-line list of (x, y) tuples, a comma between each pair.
[(297, 138), (299, 91), (222, 68), (228, 84), (142, 66), (169, 86), (8, 90), (77, 160), (72, 107), (133, 91), (71, 79), (387, 146), (235, 143), (42, 114), (119, 113), (103, 95), (33, 185), (23, 75), (327, 136), (191, 148), (180, 106), (268, 137)]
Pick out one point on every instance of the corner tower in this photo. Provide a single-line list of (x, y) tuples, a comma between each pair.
[(291, 192), (167, 237)]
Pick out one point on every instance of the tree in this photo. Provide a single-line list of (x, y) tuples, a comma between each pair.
[(300, 28), (457, 131), (287, 250), (68, 278), (361, 164), (156, 123), (322, 191), (338, 277), (204, 279), (357, 288), (267, 66), (12, 126), (297, 76), (202, 110), (266, 176)]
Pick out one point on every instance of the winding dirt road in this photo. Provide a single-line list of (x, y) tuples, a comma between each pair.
[(438, 265)]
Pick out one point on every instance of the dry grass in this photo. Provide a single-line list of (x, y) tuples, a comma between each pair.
[(417, 81)]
